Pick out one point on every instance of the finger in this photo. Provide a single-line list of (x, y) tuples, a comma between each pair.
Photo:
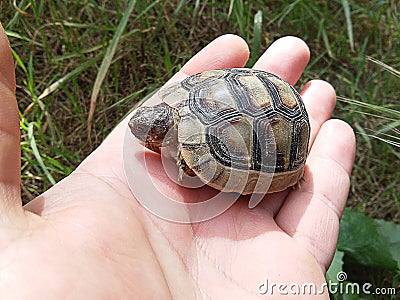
[(227, 51), (9, 133), (286, 57), (319, 99), (311, 213)]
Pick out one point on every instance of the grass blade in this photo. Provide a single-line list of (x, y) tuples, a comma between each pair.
[(167, 59), (376, 108), (19, 61), (387, 141), (196, 8), (105, 65), (326, 39), (124, 100), (280, 17), (146, 10), (230, 8), (37, 155), (238, 11), (257, 32), (389, 127), (23, 38), (347, 14), (179, 6), (385, 66), (59, 83)]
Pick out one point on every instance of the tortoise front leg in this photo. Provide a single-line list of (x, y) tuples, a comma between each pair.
[(183, 168)]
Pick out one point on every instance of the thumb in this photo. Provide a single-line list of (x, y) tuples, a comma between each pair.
[(10, 161)]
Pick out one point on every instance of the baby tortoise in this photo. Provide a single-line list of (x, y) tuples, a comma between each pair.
[(238, 130)]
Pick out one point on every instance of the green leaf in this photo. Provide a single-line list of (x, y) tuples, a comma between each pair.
[(334, 273), (336, 267), (392, 232), (369, 242)]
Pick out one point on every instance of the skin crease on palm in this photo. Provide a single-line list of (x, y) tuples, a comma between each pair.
[(88, 238)]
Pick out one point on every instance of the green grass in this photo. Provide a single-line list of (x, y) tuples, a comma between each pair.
[(78, 61)]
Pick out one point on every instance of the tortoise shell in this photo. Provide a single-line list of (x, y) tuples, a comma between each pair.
[(238, 130)]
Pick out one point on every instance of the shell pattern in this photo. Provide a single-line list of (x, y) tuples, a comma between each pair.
[(240, 126)]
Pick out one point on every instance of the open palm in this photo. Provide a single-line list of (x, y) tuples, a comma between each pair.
[(89, 238)]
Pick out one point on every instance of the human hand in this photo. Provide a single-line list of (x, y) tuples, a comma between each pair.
[(88, 237)]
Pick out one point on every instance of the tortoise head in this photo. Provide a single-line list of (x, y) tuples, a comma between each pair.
[(151, 125)]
